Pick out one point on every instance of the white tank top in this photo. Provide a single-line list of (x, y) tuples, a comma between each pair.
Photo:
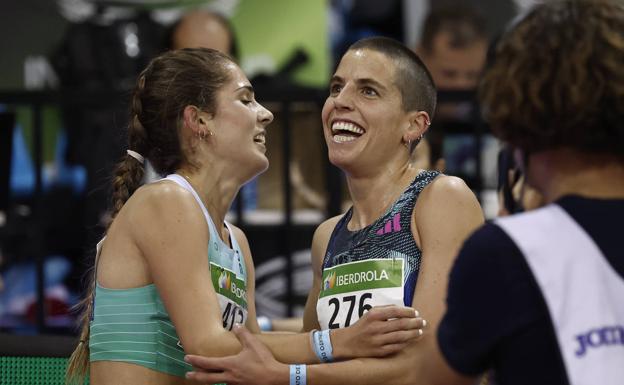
[(583, 292)]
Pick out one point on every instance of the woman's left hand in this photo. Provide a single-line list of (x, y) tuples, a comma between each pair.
[(382, 331)]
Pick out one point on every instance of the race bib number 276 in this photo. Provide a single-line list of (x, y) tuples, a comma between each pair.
[(351, 289)]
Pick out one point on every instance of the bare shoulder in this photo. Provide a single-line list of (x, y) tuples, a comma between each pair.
[(161, 197), (447, 200), (446, 185), (446, 193), (163, 207)]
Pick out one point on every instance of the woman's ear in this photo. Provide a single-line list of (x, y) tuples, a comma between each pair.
[(190, 116), (198, 121), (419, 123)]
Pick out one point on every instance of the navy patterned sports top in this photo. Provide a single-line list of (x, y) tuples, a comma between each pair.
[(389, 237)]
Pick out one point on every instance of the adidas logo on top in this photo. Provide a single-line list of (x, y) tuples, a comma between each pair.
[(391, 226)]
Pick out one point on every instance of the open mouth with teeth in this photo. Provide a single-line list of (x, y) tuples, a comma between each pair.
[(346, 131), (260, 138)]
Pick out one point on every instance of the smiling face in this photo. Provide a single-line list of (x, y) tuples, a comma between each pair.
[(363, 117), (239, 125)]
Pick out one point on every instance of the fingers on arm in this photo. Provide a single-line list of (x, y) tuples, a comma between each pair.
[(390, 312)]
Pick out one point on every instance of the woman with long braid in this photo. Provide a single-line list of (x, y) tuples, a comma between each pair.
[(171, 276)]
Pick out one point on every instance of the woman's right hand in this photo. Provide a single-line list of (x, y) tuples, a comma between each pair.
[(381, 331)]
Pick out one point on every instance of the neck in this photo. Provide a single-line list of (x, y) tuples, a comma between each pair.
[(373, 194), (215, 189), (556, 173)]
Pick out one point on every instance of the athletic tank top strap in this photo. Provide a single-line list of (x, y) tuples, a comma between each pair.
[(180, 180), (222, 249)]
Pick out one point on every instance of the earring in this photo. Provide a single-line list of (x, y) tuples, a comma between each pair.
[(408, 144), (203, 134)]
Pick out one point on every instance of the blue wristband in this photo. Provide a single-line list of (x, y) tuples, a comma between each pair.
[(298, 374), (265, 323), (322, 345)]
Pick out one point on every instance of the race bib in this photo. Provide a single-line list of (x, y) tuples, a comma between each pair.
[(232, 294), (351, 289)]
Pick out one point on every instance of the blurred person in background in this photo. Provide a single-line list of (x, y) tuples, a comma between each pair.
[(453, 46), (201, 28), (537, 296)]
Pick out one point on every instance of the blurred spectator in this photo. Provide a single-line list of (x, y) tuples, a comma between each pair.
[(453, 47), (201, 28)]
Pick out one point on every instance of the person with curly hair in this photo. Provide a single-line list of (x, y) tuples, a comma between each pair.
[(537, 297)]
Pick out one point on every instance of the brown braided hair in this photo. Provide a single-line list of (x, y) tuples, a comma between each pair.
[(171, 81), (557, 79)]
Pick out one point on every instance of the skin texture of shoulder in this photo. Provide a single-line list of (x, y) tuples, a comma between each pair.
[(154, 210)]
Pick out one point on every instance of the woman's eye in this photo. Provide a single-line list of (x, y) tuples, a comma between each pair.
[(369, 91), (335, 89), (247, 101)]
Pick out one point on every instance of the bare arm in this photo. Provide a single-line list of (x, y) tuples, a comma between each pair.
[(319, 246), (172, 234)]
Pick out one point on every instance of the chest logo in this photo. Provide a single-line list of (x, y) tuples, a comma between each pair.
[(391, 226)]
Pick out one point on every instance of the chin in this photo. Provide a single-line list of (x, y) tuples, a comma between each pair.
[(341, 162), (260, 166)]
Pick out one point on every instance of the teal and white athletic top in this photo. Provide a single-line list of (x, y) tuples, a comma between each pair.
[(132, 325)]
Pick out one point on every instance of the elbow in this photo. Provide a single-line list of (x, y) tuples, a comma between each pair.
[(414, 365), (408, 368), (219, 343)]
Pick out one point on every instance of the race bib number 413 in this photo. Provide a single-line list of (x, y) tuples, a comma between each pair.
[(232, 295), (351, 289)]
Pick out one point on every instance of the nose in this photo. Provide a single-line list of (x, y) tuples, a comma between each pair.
[(264, 116), (344, 99)]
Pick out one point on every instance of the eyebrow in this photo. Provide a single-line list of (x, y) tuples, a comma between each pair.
[(360, 82), (245, 87)]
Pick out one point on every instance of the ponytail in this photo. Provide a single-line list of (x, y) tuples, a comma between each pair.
[(127, 178)]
